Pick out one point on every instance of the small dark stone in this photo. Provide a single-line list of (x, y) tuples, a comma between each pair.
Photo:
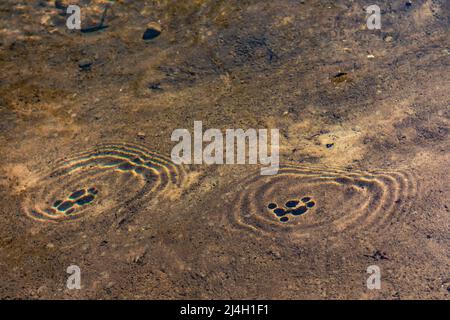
[(85, 64), (150, 33), (284, 219), (329, 145), (339, 74), (155, 86), (340, 77)]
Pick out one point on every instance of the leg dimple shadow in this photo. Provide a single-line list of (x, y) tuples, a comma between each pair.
[(310, 204), (57, 203), (85, 200), (77, 194), (291, 204), (306, 199), (272, 206), (65, 205), (299, 211), (279, 212)]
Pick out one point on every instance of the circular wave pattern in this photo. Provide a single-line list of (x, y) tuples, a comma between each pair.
[(306, 200), (104, 178)]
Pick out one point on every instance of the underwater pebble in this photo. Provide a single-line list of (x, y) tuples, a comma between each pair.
[(141, 135), (85, 64), (153, 30)]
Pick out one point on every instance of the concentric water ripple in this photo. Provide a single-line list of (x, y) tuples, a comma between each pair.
[(302, 201), (102, 179)]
